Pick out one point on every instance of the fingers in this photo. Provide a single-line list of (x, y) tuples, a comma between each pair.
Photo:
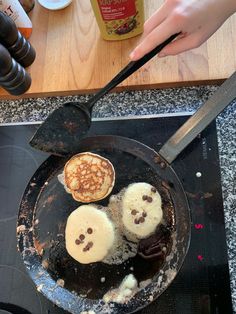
[(156, 19), (190, 17), (153, 39), (180, 45)]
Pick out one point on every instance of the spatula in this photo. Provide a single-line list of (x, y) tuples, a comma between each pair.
[(61, 132)]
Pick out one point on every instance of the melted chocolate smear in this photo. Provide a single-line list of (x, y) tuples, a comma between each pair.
[(157, 245)]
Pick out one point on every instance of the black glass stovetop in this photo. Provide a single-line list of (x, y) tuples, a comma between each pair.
[(202, 285)]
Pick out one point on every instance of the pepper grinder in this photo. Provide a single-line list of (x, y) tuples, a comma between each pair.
[(28, 5), (18, 46), (13, 77)]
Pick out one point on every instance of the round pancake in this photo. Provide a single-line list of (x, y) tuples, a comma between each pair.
[(89, 177), (141, 209), (89, 234)]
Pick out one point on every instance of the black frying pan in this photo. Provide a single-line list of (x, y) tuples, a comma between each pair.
[(45, 207), (44, 210)]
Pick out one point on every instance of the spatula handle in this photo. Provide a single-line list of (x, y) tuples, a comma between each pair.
[(128, 70), (200, 120)]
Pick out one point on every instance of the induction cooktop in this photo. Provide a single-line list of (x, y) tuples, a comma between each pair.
[(201, 286)]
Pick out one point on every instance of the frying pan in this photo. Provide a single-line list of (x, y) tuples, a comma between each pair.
[(43, 213), (45, 207)]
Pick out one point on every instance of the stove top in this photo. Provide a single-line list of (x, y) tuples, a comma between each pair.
[(202, 285)]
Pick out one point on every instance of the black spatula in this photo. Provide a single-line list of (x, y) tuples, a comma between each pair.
[(61, 132)]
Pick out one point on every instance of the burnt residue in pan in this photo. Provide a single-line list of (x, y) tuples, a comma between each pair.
[(157, 246), (54, 206)]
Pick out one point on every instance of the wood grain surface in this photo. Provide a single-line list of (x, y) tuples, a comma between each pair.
[(72, 58)]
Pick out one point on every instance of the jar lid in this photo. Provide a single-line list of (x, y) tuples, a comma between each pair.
[(54, 4)]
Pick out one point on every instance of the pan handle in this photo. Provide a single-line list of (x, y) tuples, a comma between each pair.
[(200, 120)]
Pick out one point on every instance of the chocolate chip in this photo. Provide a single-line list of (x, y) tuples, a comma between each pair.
[(77, 242), (149, 199), (82, 237), (144, 214), (144, 197), (153, 190), (134, 212), (90, 230), (141, 219), (90, 244), (136, 221)]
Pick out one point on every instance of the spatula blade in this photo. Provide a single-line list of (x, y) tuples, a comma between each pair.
[(62, 131)]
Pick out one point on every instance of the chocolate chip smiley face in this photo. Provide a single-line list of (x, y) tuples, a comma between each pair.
[(82, 240), (141, 209), (89, 234)]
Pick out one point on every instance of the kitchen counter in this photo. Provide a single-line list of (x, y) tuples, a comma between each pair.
[(153, 102), (87, 62)]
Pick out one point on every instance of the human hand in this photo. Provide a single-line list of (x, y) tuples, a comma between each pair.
[(196, 20)]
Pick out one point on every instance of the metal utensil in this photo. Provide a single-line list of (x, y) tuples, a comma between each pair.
[(200, 120), (65, 127)]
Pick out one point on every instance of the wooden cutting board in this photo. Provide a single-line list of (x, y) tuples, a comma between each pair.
[(73, 59)]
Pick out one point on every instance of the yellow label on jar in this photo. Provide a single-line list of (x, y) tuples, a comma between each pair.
[(119, 19)]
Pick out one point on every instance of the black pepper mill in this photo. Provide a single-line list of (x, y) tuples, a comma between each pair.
[(13, 77), (18, 46)]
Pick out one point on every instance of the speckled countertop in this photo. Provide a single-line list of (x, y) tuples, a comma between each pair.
[(153, 102)]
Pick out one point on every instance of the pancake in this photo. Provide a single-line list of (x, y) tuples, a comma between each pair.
[(141, 209), (89, 177), (89, 234)]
